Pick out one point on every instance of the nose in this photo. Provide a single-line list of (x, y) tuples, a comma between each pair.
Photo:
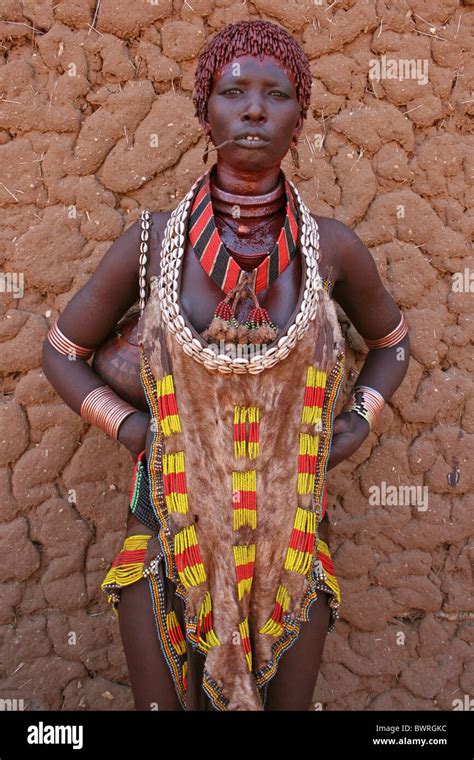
[(254, 110)]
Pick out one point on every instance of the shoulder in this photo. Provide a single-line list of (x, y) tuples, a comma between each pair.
[(342, 248), (334, 237), (157, 231), (333, 234), (159, 219), (330, 227), (159, 222)]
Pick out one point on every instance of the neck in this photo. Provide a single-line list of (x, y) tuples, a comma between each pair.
[(240, 182)]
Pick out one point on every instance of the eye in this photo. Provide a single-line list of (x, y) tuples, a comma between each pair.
[(236, 89)]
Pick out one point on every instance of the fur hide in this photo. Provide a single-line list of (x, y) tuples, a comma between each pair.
[(206, 402)]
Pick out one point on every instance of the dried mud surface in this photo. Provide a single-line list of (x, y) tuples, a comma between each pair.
[(82, 86)]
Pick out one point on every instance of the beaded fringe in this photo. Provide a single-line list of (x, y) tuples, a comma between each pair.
[(244, 498), (303, 536), (314, 395), (307, 462), (168, 408), (244, 558), (188, 557), (245, 641), (126, 568), (174, 481), (246, 445)]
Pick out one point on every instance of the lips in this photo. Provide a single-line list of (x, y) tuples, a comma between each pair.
[(252, 133), (251, 139)]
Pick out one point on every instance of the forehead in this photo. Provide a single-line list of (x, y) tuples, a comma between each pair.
[(254, 67)]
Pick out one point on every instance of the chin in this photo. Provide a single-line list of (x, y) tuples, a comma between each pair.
[(251, 163)]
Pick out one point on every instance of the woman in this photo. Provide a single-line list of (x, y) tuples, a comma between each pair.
[(224, 586)]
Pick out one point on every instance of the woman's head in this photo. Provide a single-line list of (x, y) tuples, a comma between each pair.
[(252, 77)]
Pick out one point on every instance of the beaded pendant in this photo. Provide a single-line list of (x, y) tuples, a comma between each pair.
[(257, 328)]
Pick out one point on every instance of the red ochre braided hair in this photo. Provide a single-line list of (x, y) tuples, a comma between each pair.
[(254, 38)]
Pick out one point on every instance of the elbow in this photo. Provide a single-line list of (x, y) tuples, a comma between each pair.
[(46, 359), (403, 353), (44, 354)]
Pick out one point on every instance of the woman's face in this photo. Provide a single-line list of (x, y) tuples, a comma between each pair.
[(253, 97)]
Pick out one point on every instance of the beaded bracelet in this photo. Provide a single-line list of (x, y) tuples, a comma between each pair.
[(367, 402), (65, 346), (105, 409), (392, 338)]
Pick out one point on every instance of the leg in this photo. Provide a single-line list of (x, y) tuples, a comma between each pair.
[(148, 670), (292, 686), (150, 677)]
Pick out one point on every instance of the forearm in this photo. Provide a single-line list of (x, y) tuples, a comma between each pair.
[(74, 379), (71, 379), (385, 368)]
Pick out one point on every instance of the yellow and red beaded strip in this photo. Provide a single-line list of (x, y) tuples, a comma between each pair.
[(175, 632), (188, 557), (244, 498), (191, 572), (307, 462), (246, 445), (244, 557), (245, 640), (127, 565), (168, 408), (297, 558), (254, 431), (314, 395), (300, 551), (274, 626), (324, 556), (174, 482), (204, 630)]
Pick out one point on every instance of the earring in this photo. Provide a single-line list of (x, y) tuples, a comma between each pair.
[(205, 155), (295, 156)]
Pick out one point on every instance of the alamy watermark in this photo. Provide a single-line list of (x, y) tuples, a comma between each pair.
[(42, 733), (399, 496), (399, 68), (463, 282), (12, 282), (238, 350), (12, 704)]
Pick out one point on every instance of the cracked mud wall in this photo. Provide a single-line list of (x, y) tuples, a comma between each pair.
[(82, 86)]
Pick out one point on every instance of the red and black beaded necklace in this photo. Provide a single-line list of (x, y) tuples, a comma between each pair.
[(216, 259), (228, 275)]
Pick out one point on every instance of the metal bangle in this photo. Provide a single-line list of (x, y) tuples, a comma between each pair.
[(366, 402), (103, 408), (392, 338), (64, 346)]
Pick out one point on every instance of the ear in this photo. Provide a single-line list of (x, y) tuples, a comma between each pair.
[(206, 128), (297, 130)]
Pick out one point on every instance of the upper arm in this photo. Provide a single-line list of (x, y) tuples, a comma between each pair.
[(92, 313), (359, 289)]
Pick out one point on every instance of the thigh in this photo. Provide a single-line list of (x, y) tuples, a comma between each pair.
[(292, 686), (152, 684)]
